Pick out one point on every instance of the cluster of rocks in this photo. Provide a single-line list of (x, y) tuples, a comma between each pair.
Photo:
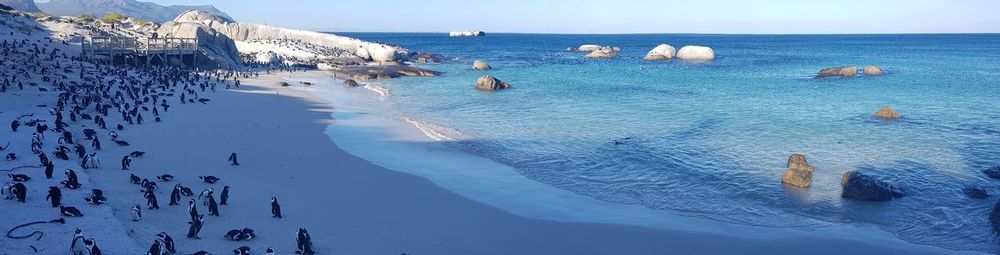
[(466, 33), (855, 185), (490, 83), (597, 51), (849, 71), (688, 53)]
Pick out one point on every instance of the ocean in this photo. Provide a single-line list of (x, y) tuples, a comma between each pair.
[(711, 140)]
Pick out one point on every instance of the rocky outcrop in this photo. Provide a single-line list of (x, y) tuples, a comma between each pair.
[(872, 70), (350, 84), (975, 192), (696, 53), (132, 8), (858, 186), (368, 51), (490, 83), (593, 47), (995, 217), (466, 33), (480, 65), (887, 113), (267, 58), (21, 5), (661, 52), (992, 172), (603, 52), (799, 171), (843, 71)]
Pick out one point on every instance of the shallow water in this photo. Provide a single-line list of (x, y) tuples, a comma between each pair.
[(711, 139)]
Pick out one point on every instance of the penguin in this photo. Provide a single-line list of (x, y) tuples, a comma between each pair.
[(19, 191), (168, 243), (165, 178), (203, 197), (134, 179), (201, 253), (19, 177), (175, 195), (275, 208), (196, 227), (8, 191), (96, 197), (70, 211), (77, 246), (243, 250), (155, 248), (126, 162), (234, 235), (209, 179), (49, 168), (151, 200), (213, 208), (303, 242), (233, 160), (247, 234), (192, 210), (136, 212), (269, 251), (224, 197), (92, 246), (71, 181), (55, 196)]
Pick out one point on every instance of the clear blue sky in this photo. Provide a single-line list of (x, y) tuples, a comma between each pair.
[(621, 16)]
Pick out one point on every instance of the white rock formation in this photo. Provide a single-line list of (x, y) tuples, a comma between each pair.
[(268, 58), (466, 33), (696, 53), (661, 52)]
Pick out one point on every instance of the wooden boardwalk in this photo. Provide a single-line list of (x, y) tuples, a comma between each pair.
[(142, 51)]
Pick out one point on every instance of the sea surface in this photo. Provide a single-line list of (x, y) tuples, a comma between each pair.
[(711, 139)]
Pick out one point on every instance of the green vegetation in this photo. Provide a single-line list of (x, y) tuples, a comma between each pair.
[(85, 18), (142, 22), (112, 17)]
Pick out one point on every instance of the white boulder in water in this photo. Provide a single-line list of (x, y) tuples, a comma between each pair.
[(466, 33), (661, 52), (698, 53)]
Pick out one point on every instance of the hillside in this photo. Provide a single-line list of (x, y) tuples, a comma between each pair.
[(143, 10)]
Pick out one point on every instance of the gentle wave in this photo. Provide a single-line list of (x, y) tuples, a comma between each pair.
[(378, 89), (436, 132)]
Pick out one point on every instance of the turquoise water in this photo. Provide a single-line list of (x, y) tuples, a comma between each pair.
[(711, 139)]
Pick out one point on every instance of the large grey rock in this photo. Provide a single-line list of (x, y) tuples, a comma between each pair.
[(661, 52), (887, 113), (350, 84), (21, 5), (488, 82), (480, 65), (843, 71), (799, 171), (603, 52), (873, 70), (696, 53), (858, 186), (132, 8), (219, 49)]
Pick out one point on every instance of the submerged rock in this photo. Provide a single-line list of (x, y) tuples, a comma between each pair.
[(843, 71), (873, 70), (858, 186), (993, 172), (589, 47), (975, 192), (995, 217), (350, 83), (799, 171), (661, 52), (488, 82), (606, 52), (480, 65), (887, 113), (698, 53)]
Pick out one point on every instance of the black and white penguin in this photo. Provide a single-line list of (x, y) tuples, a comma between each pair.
[(168, 243), (195, 227), (19, 191), (96, 197), (213, 208), (135, 179), (234, 235), (70, 211), (165, 178), (243, 250), (192, 210), (201, 253), (269, 251), (247, 234), (49, 169), (233, 160), (92, 246), (155, 248), (303, 242), (126, 162), (19, 177), (55, 196), (205, 194), (175, 195), (71, 181), (77, 246), (275, 208), (136, 212), (224, 197), (151, 200), (209, 179)]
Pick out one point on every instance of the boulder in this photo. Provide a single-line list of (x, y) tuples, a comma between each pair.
[(589, 47), (993, 172), (799, 171), (480, 65), (350, 84), (843, 71), (488, 82), (995, 217), (284, 84), (466, 33), (975, 192), (887, 113), (858, 186), (604, 52), (696, 53), (268, 58), (661, 52), (872, 70)]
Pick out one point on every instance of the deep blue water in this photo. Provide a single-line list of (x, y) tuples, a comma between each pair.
[(711, 139)]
